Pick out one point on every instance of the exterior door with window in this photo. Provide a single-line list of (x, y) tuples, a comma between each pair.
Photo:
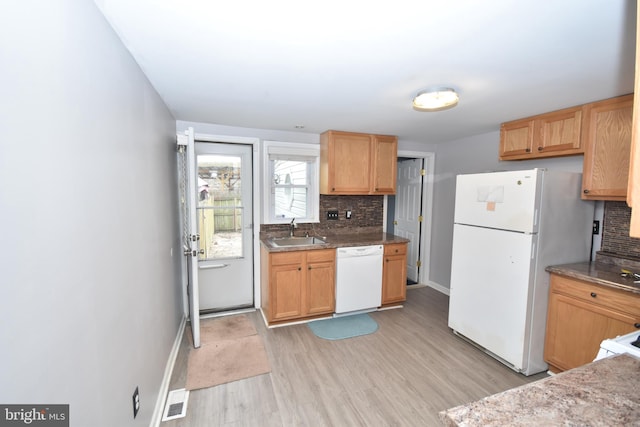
[(224, 214)]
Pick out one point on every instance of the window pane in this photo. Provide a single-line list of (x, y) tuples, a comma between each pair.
[(290, 179), (291, 202), (219, 206), (290, 172)]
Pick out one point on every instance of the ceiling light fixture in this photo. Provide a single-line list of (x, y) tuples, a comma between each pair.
[(436, 99)]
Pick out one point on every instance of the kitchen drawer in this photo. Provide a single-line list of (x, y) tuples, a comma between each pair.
[(395, 249), (595, 294), (286, 258), (322, 255)]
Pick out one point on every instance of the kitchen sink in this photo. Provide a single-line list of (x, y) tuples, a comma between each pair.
[(297, 241)]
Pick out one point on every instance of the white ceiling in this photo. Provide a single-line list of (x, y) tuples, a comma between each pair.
[(355, 65)]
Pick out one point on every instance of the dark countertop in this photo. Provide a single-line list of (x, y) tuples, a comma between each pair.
[(603, 272), (339, 241), (602, 393)]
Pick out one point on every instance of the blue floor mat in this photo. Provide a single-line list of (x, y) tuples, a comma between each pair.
[(339, 328)]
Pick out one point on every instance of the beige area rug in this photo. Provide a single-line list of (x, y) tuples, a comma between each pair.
[(223, 328), (226, 353)]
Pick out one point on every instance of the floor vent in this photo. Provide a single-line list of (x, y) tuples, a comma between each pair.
[(176, 406)]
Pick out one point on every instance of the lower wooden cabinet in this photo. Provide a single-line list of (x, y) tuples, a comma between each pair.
[(297, 284), (580, 315), (394, 274)]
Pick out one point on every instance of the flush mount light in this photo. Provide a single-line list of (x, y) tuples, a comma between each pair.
[(436, 99)]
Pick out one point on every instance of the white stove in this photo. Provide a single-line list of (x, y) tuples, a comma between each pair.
[(618, 345)]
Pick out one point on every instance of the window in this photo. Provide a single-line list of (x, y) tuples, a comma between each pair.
[(290, 182)]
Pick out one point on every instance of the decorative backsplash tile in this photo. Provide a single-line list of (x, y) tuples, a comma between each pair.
[(615, 231), (366, 214)]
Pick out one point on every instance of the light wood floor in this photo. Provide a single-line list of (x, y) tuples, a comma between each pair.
[(402, 375)]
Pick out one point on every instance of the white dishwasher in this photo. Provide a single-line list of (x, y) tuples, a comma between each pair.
[(358, 278)]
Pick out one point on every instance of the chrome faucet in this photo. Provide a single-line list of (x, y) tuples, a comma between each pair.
[(293, 227)]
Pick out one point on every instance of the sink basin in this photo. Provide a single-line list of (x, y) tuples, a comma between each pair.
[(297, 241)]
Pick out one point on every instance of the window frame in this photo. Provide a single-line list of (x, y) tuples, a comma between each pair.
[(290, 149)]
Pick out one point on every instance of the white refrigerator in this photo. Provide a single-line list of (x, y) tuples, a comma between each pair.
[(508, 227)]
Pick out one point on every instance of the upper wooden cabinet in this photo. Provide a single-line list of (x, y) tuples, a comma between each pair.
[(546, 135), (356, 163), (385, 164), (607, 140)]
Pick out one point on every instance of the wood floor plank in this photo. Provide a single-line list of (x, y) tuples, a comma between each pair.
[(402, 375)]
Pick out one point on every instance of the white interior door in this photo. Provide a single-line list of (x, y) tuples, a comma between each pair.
[(408, 211), (190, 242), (225, 224)]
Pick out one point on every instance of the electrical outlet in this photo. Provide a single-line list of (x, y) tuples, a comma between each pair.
[(333, 215), (596, 227), (348, 214), (136, 402)]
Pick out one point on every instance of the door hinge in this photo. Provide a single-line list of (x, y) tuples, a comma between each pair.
[(181, 141), (418, 263), (193, 252), (423, 172), (420, 218)]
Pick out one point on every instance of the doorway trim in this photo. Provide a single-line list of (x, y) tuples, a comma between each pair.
[(427, 210), (255, 160)]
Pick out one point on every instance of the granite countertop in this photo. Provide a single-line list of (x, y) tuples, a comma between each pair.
[(338, 241), (602, 393), (604, 271)]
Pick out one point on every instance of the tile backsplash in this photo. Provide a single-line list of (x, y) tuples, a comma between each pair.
[(615, 232), (366, 215)]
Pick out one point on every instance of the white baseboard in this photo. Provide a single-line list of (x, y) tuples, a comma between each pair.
[(168, 371), (439, 288)]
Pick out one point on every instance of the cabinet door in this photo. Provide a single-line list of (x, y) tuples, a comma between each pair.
[(394, 274), (516, 139), (576, 328), (349, 163), (558, 133), (546, 135), (385, 164), (607, 136), (286, 291), (320, 288)]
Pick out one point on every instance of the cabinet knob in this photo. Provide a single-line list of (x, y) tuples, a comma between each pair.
[(540, 148), (527, 150), (299, 268), (333, 189), (309, 268), (585, 191), (593, 294), (637, 325)]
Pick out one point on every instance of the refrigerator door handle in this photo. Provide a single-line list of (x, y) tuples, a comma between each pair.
[(533, 250)]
